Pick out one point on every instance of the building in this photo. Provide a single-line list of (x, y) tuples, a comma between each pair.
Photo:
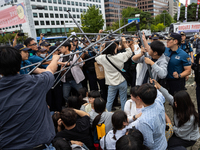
[(155, 7), (193, 1), (54, 18), (173, 7), (113, 9)]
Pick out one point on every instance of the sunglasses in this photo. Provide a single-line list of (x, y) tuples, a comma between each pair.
[(33, 44)]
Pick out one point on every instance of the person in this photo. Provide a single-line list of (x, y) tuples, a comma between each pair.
[(155, 58), (196, 44), (179, 65), (186, 119), (73, 102), (119, 122), (83, 95), (133, 107), (24, 53), (152, 121), (113, 77), (186, 46), (77, 129), (75, 75), (75, 44), (26, 121), (45, 45)]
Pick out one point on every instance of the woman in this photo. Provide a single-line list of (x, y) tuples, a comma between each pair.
[(113, 77), (133, 107), (186, 130)]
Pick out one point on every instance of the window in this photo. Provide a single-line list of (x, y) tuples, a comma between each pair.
[(55, 1), (50, 8), (78, 16), (81, 10), (74, 16), (33, 7), (76, 3), (83, 4), (64, 1), (56, 16), (68, 2), (59, 2), (60, 8), (62, 22), (45, 8), (41, 15), (57, 23), (51, 16), (36, 23), (52, 22), (77, 10), (80, 4), (35, 15), (69, 9), (47, 23), (61, 15), (49, 1), (66, 16), (44, 1), (46, 15), (73, 9), (65, 8), (55, 8), (38, 0), (41, 22), (99, 6), (72, 3)]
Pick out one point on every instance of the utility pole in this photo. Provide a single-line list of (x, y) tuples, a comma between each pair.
[(119, 17)]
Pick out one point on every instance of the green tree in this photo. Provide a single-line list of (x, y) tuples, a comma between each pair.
[(92, 20), (164, 18), (160, 27)]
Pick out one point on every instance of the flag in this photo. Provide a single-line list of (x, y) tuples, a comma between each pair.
[(186, 10), (197, 9), (178, 14)]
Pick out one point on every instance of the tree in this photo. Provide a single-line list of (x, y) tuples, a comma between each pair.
[(92, 20), (164, 18)]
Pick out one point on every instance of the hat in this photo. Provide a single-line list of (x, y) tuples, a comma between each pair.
[(45, 43), (41, 49), (93, 40), (174, 36), (52, 48), (155, 37), (22, 47), (75, 39), (182, 33)]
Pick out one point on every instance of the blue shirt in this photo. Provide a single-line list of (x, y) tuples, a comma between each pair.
[(183, 46), (26, 70), (34, 59), (25, 118), (152, 124), (177, 61)]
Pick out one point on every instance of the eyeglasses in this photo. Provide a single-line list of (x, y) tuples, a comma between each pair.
[(33, 44)]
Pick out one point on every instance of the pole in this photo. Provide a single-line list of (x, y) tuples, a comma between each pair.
[(119, 19), (65, 29), (164, 19)]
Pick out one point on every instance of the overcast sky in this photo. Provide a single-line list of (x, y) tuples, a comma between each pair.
[(183, 1)]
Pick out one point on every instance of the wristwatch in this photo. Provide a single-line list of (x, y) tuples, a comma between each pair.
[(134, 117), (179, 75)]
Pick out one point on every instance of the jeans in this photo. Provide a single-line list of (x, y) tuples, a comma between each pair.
[(67, 87), (112, 90)]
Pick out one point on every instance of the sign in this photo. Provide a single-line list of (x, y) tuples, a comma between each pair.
[(187, 28), (133, 19), (12, 16)]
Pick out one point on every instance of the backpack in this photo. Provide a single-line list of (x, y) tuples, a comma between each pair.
[(99, 133)]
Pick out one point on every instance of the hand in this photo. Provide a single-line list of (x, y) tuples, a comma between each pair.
[(175, 74), (41, 36), (59, 122), (148, 61), (143, 37), (156, 84), (138, 115), (124, 44), (56, 57), (77, 143), (16, 36), (100, 31), (143, 50), (186, 78)]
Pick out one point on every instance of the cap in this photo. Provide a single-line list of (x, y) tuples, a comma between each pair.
[(52, 48), (41, 49), (93, 40), (182, 33), (155, 37), (75, 39), (174, 36), (22, 47), (45, 43)]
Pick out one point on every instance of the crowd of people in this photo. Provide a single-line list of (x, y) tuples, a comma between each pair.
[(79, 112)]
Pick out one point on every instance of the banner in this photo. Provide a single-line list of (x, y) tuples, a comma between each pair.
[(179, 8), (186, 10), (11, 16), (2, 2), (197, 12)]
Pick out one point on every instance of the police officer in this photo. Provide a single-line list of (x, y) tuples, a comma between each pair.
[(179, 65), (24, 53), (75, 44), (45, 45), (186, 46)]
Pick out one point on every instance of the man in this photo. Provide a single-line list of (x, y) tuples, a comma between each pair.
[(75, 45), (25, 122), (186, 46), (179, 65), (45, 45), (196, 44), (24, 53), (152, 121)]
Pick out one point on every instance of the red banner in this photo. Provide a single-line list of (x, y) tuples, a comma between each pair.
[(11, 16)]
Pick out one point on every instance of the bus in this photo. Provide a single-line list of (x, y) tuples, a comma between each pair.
[(53, 40), (190, 28)]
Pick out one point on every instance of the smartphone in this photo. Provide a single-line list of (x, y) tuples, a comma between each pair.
[(20, 34)]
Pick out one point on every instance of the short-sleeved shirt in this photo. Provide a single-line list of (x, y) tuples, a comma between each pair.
[(33, 58), (26, 70), (25, 118), (184, 46), (81, 132), (177, 61)]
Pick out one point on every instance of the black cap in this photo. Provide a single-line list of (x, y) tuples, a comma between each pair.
[(75, 39), (182, 33), (22, 47), (174, 36), (45, 43), (52, 48), (155, 37)]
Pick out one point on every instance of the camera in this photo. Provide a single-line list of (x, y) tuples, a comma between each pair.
[(20, 34)]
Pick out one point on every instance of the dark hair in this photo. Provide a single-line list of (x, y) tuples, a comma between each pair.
[(67, 44), (99, 107), (82, 93), (94, 94), (55, 118), (127, 142), (158, 46), (147, 93), (73, 102), (133, 90), (118, 118), (61, 144), (185, 108), (10, 60), (28, 41), (68, 116), (110, 49)]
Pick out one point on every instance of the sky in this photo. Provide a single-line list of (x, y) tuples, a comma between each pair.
[(183, 1)]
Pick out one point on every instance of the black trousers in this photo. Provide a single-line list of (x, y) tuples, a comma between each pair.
[(175, 141), (175, 85), (198, 97)]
